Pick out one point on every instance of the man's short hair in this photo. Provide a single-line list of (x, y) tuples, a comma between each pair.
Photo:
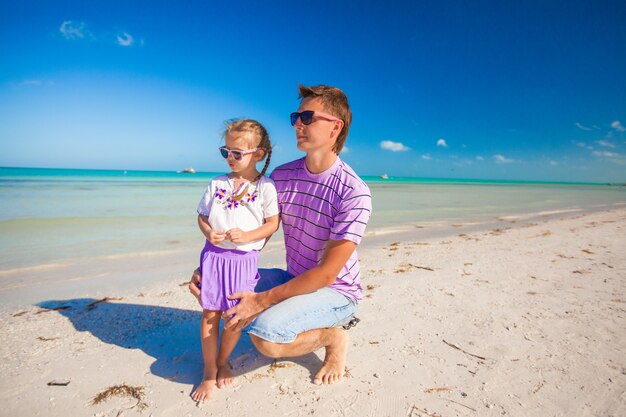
[(334, 102)]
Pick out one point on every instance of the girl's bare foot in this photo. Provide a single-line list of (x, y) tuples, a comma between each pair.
[(335, 361), (205, 389), (225, 377)]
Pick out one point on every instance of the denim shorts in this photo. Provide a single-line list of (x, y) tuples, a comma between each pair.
[(281, 323)]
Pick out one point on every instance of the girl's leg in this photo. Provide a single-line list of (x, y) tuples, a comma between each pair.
[(209, 330), (229, 340)]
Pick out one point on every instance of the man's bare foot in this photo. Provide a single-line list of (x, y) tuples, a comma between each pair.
[(225, 377), (335, 361), (205, 389)]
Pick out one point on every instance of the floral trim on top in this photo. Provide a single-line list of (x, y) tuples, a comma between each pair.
[(227, 199), (250, 198), (220, 193), (232, 204)]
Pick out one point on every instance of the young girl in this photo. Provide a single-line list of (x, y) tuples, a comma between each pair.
[(237, 213)]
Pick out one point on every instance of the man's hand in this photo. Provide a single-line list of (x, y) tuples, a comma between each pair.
[(194, 284), (237, 236), (249, 307)]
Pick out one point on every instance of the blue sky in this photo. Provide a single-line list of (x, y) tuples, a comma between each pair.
[(530, 90)]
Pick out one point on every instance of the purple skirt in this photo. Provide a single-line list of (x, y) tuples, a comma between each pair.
[(224, 272)]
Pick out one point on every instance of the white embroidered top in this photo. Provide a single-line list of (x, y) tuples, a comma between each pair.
[(248, 213)]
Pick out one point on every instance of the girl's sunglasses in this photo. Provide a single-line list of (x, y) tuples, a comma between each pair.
[(237, 155), (307, 117)]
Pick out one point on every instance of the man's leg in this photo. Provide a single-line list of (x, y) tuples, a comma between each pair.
[(303, 324), (334, 341)]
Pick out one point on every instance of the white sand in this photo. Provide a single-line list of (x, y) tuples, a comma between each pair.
[(527, 320)]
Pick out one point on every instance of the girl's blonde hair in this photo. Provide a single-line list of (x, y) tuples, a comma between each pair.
[(258, 136)]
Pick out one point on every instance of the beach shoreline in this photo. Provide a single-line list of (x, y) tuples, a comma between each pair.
[(126, 273), (102, 275), (522, 318)]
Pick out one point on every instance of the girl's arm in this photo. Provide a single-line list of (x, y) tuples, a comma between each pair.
[(203, 224), (262, 232), (210, 234)]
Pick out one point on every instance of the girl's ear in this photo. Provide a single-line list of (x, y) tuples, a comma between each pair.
[(259, 155)]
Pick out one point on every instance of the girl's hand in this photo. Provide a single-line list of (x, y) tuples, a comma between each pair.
[(237, 236), (216, 237)]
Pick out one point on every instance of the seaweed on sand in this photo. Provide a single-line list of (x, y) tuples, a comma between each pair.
[(122, 391)]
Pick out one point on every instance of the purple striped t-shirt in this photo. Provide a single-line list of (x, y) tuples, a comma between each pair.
[(314, 208)]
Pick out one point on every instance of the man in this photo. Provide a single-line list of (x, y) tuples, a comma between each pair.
[(324, 209)]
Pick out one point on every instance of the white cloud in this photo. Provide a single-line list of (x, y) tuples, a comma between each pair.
[(31, 83), (480, 158), (345, 149), (393, 146), (35, 84), (426, 157), (617, 125), (553, 163), (501, 159), (605, 143), (73, 30), (613, 157), (583, 145), (442, 142), (606, 154), (125, 39), (581, 127)]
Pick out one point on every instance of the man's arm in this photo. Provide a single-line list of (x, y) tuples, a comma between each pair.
[(251, 304)]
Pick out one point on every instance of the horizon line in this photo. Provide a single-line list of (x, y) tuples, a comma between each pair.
[(366, 178)]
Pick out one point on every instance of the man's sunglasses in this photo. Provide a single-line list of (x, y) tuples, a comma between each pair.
[(237, 155), (307, 117)]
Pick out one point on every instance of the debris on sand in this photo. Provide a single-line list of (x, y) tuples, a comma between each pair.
[(90, 306), (122, 391), (47, 310)]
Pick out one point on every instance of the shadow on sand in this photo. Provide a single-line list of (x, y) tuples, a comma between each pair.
[(169, 335)]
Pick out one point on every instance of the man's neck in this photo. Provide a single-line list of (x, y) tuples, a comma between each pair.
[(317, 163)]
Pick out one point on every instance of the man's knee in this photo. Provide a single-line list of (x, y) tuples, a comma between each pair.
[(269, 349)]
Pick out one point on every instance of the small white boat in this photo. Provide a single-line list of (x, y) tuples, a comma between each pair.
[(384, 176), (187, 171)]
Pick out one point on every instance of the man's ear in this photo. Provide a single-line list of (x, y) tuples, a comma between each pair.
[(337, 129)]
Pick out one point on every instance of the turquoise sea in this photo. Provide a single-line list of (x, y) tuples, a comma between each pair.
[(56, 216)]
